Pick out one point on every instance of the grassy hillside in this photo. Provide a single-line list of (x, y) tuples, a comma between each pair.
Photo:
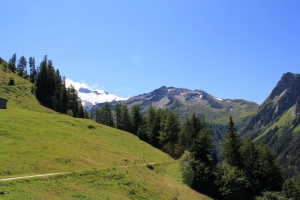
[(106, 163)]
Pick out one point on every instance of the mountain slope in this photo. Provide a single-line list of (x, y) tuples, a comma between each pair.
[(185, 102), (35, 140), (276, 122)]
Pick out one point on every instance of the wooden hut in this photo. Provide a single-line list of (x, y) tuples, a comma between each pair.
[(3, 103)]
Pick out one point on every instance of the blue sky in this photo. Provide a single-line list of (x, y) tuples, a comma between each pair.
[(230, 49)]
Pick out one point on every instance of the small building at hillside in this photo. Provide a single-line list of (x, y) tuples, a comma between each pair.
[(3, 103)]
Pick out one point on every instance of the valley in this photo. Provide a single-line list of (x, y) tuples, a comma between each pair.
[(76, 157)]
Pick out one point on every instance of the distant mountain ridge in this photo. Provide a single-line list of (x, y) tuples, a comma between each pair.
[(185, 102), (91, 97), (277, 120)]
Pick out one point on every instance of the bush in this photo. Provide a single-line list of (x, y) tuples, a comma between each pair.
[(270, 195), (186, 169), (11, 81), (150, 166)]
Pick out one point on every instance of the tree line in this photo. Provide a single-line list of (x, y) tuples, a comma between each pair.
[(160, 127), (49, 86), (246, 171)]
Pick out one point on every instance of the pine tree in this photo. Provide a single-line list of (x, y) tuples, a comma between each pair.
[(136, 118), (170, 129), (202, 163), (190, 130), (106, 115), (42, 91), (252, 166), (98, 115), (86, 114), (12, 63), (117, 114), (125, 121), (271, 178), (64, 97), (80, 110), (142, 131), (32, 70), (153, 125), (73, 101), (168, 134), (202, 147), (22, 65), (231, 146)]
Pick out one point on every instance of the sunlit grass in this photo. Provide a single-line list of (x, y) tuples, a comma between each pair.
[(37, 140)]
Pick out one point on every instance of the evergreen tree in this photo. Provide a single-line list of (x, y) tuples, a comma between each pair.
[(142, 131), (64, 97), (125, 121), (86, 114), (136, 118), (73, 100), (117, 113), (153, 126), (80, 109), (231, 182), (271, 178), (202, 147), (57, 97), (12, 63), (170, 128), (190, 130), (106, 115), (184, 136), (252, 166), (98, 115), (32, 70), (168, 134), (22, 65), (232, 146), (42, 90), (197, 138), (290, 190)]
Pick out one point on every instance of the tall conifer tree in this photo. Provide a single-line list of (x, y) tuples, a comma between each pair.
[(32, 70), (12, 63), (231, 146)]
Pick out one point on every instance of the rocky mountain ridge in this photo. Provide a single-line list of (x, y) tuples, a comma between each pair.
[(277, 120), (185, 102)]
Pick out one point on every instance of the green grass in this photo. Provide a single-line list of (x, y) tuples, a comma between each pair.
[(36, 140), (137, 182), (286, 118)]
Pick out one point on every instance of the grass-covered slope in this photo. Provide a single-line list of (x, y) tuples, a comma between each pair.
[(106, 163)]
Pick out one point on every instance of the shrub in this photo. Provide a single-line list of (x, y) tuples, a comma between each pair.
[(186, 169), (11, 81), (150, 166)]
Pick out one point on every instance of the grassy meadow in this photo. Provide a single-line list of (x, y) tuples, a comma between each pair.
[(104, 163)]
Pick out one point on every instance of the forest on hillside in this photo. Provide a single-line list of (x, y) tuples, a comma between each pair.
[(48, 85), (245, 170)]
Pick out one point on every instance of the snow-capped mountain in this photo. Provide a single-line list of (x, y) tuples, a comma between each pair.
[(92, 97)]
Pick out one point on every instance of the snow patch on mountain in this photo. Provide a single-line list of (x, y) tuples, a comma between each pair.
[(219, 99), (91, 95)]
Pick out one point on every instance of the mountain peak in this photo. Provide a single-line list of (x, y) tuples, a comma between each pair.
[(84, 90), (283, 84), (91, 97)]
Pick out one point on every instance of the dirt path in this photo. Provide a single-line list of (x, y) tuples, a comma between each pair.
[(59, 173), (33, 176)]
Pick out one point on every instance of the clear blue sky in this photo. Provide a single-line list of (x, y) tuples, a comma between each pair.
[(230, 49)]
